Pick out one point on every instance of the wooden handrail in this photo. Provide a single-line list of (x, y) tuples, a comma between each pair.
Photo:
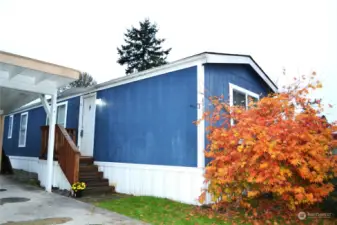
[(68, 154), (44, 141), (65, 150)]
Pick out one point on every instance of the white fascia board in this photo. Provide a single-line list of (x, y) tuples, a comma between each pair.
[(178, 65), (174, 66), (230, 59)]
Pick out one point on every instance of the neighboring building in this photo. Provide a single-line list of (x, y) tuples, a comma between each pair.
[(139, 128)]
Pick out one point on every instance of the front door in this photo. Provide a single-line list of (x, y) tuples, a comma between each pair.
[(87, 125)]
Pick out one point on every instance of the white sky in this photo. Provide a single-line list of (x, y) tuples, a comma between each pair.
[(298, 35)]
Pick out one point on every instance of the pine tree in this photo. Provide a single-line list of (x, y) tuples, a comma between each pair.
[(85, 80), (143, 49)]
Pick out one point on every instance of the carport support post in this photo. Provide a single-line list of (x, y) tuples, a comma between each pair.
[(51, 140)]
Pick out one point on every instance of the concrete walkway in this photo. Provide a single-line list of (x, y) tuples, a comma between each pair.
[(38, 207)]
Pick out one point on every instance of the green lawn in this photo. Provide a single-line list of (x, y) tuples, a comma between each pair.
[(163, 211), (157, 211)]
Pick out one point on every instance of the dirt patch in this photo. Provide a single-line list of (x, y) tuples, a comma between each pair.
[(47, 221)]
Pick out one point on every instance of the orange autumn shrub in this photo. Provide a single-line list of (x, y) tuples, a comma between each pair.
[(279, 145)]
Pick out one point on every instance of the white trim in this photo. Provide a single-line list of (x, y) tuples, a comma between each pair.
[(200, 112), (174, 66), (35, 159), (183, 184), (10, 126), (148, 166), (65, 113), (51, 143), (80, 124), (242, 90), (26, 127), (80, 114), (35, 165), (240, 59), (45, 104), (179, 65)]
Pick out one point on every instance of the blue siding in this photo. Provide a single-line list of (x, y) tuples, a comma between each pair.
[(73, 112), (36, 119), (149, 121), (218, 77)]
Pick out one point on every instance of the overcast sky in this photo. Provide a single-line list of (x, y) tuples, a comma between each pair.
[(298, 35)]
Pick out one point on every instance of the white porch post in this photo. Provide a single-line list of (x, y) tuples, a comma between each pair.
[(51, 140)]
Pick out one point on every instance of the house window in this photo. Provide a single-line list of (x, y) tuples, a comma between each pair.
[(239, 96), (61, 114), (23, 129), (10, 126)]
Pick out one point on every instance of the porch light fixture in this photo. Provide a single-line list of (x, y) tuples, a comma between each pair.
[(100, 102)]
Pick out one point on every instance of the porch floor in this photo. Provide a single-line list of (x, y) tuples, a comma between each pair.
[(40, 207)]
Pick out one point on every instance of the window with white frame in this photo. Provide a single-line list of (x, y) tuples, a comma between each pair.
[(239, 96), (61, 114), (10, 126), (23, 129)]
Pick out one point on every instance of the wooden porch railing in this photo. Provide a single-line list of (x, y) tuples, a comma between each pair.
[(65, 150), (44, 141)]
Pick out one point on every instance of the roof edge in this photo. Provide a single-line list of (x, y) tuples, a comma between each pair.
[(173, 66), (38, 65)]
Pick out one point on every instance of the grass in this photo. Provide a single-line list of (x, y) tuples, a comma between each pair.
[(158, 211), (163, 211)]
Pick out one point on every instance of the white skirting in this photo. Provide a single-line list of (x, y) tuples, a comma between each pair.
[(183, 184), (35, 165)]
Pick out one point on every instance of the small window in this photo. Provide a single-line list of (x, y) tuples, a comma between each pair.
[(10, 126), (23, 129), (61, 114), (241, 97)]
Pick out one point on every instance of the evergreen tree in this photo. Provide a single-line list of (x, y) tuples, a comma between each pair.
[(85, 80), (143, 49)]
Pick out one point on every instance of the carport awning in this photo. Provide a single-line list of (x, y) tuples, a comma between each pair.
[(24, 79)]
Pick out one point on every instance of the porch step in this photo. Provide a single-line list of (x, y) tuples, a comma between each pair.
[(88, 173), (86, 161), (84, 174), (88, 168), (98, 190), (98, 183)]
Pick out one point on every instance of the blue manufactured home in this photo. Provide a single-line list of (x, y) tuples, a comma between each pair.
[(138, 129)]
